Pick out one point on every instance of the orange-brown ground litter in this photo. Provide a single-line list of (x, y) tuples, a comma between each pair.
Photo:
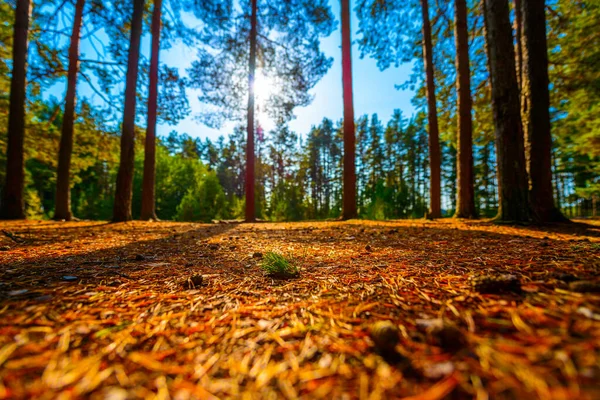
[(90, 309)]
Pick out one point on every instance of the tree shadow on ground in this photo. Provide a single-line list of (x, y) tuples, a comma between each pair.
[(429, 246), (56, 255), (94, 254)]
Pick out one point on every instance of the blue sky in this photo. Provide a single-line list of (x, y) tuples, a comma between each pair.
[(374, 90)]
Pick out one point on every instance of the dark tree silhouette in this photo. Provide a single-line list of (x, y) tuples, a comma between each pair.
[(349, 183), (13, 206), (513, 203), (122, 205), (250, 206), (536, 112), (435, 210), (148, 182), (63, 180), (465, 198)]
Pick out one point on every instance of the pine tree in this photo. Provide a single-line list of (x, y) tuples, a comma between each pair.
[(349, 196), (278, 39), (123, 193), (375, 152), (513, 205), (362, 167), (536, 112), (465, 198), (13, 206), (148, 211), (250, 165), (63, 179), (434, 134)]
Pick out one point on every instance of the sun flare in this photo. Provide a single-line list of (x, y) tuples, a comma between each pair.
[(264, 87)]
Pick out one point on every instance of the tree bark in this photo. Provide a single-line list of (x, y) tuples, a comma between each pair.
[(63, 180), (465, 199), (513, 205), (435, 210), (122, 205), (518, 43), (250, 206), (349, 189), (536, 112), (148, 211), (13, 205)]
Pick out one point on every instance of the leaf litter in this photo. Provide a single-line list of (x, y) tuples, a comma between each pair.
[(467, 309)]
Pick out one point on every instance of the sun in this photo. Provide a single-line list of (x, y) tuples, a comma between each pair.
[(264, 87)]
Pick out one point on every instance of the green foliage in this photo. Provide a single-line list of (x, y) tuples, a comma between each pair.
[(288, 48), (393, 169), (279, 266), (204, 202), (574, 56), (185, 189), (286, 203), (592, 191)]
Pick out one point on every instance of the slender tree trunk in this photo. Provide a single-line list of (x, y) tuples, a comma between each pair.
[(512, 176), (465, 199), (565, 194), (250, 206), (122, 206), (536, 113), (453, 176), (435, 209), (413, 179), (556, 177), (63, 180), (349, 195), (148, 183), (519, 42), (485, 161), (13, 206)]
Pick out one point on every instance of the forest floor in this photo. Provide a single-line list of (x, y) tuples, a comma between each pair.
[(90, 309)]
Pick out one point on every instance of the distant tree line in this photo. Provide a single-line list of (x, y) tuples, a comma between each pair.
[(506, 91)]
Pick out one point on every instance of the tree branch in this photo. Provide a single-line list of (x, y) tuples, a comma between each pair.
[(89, 81), (86, 60)]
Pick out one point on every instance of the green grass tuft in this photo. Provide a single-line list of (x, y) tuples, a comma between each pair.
[(278, 266)]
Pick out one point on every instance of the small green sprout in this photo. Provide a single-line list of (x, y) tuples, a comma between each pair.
[(278, 266)]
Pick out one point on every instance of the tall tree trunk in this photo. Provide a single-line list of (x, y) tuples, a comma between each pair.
[(122, 206), (556, 177), (465, 199), (453, 178), (349, 194), (250, 206), (13, 206), (148, 183), (519, 42), (435, 209), (565, 194), (513, 205), (63, 180), (485, 161), (536, 112)]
